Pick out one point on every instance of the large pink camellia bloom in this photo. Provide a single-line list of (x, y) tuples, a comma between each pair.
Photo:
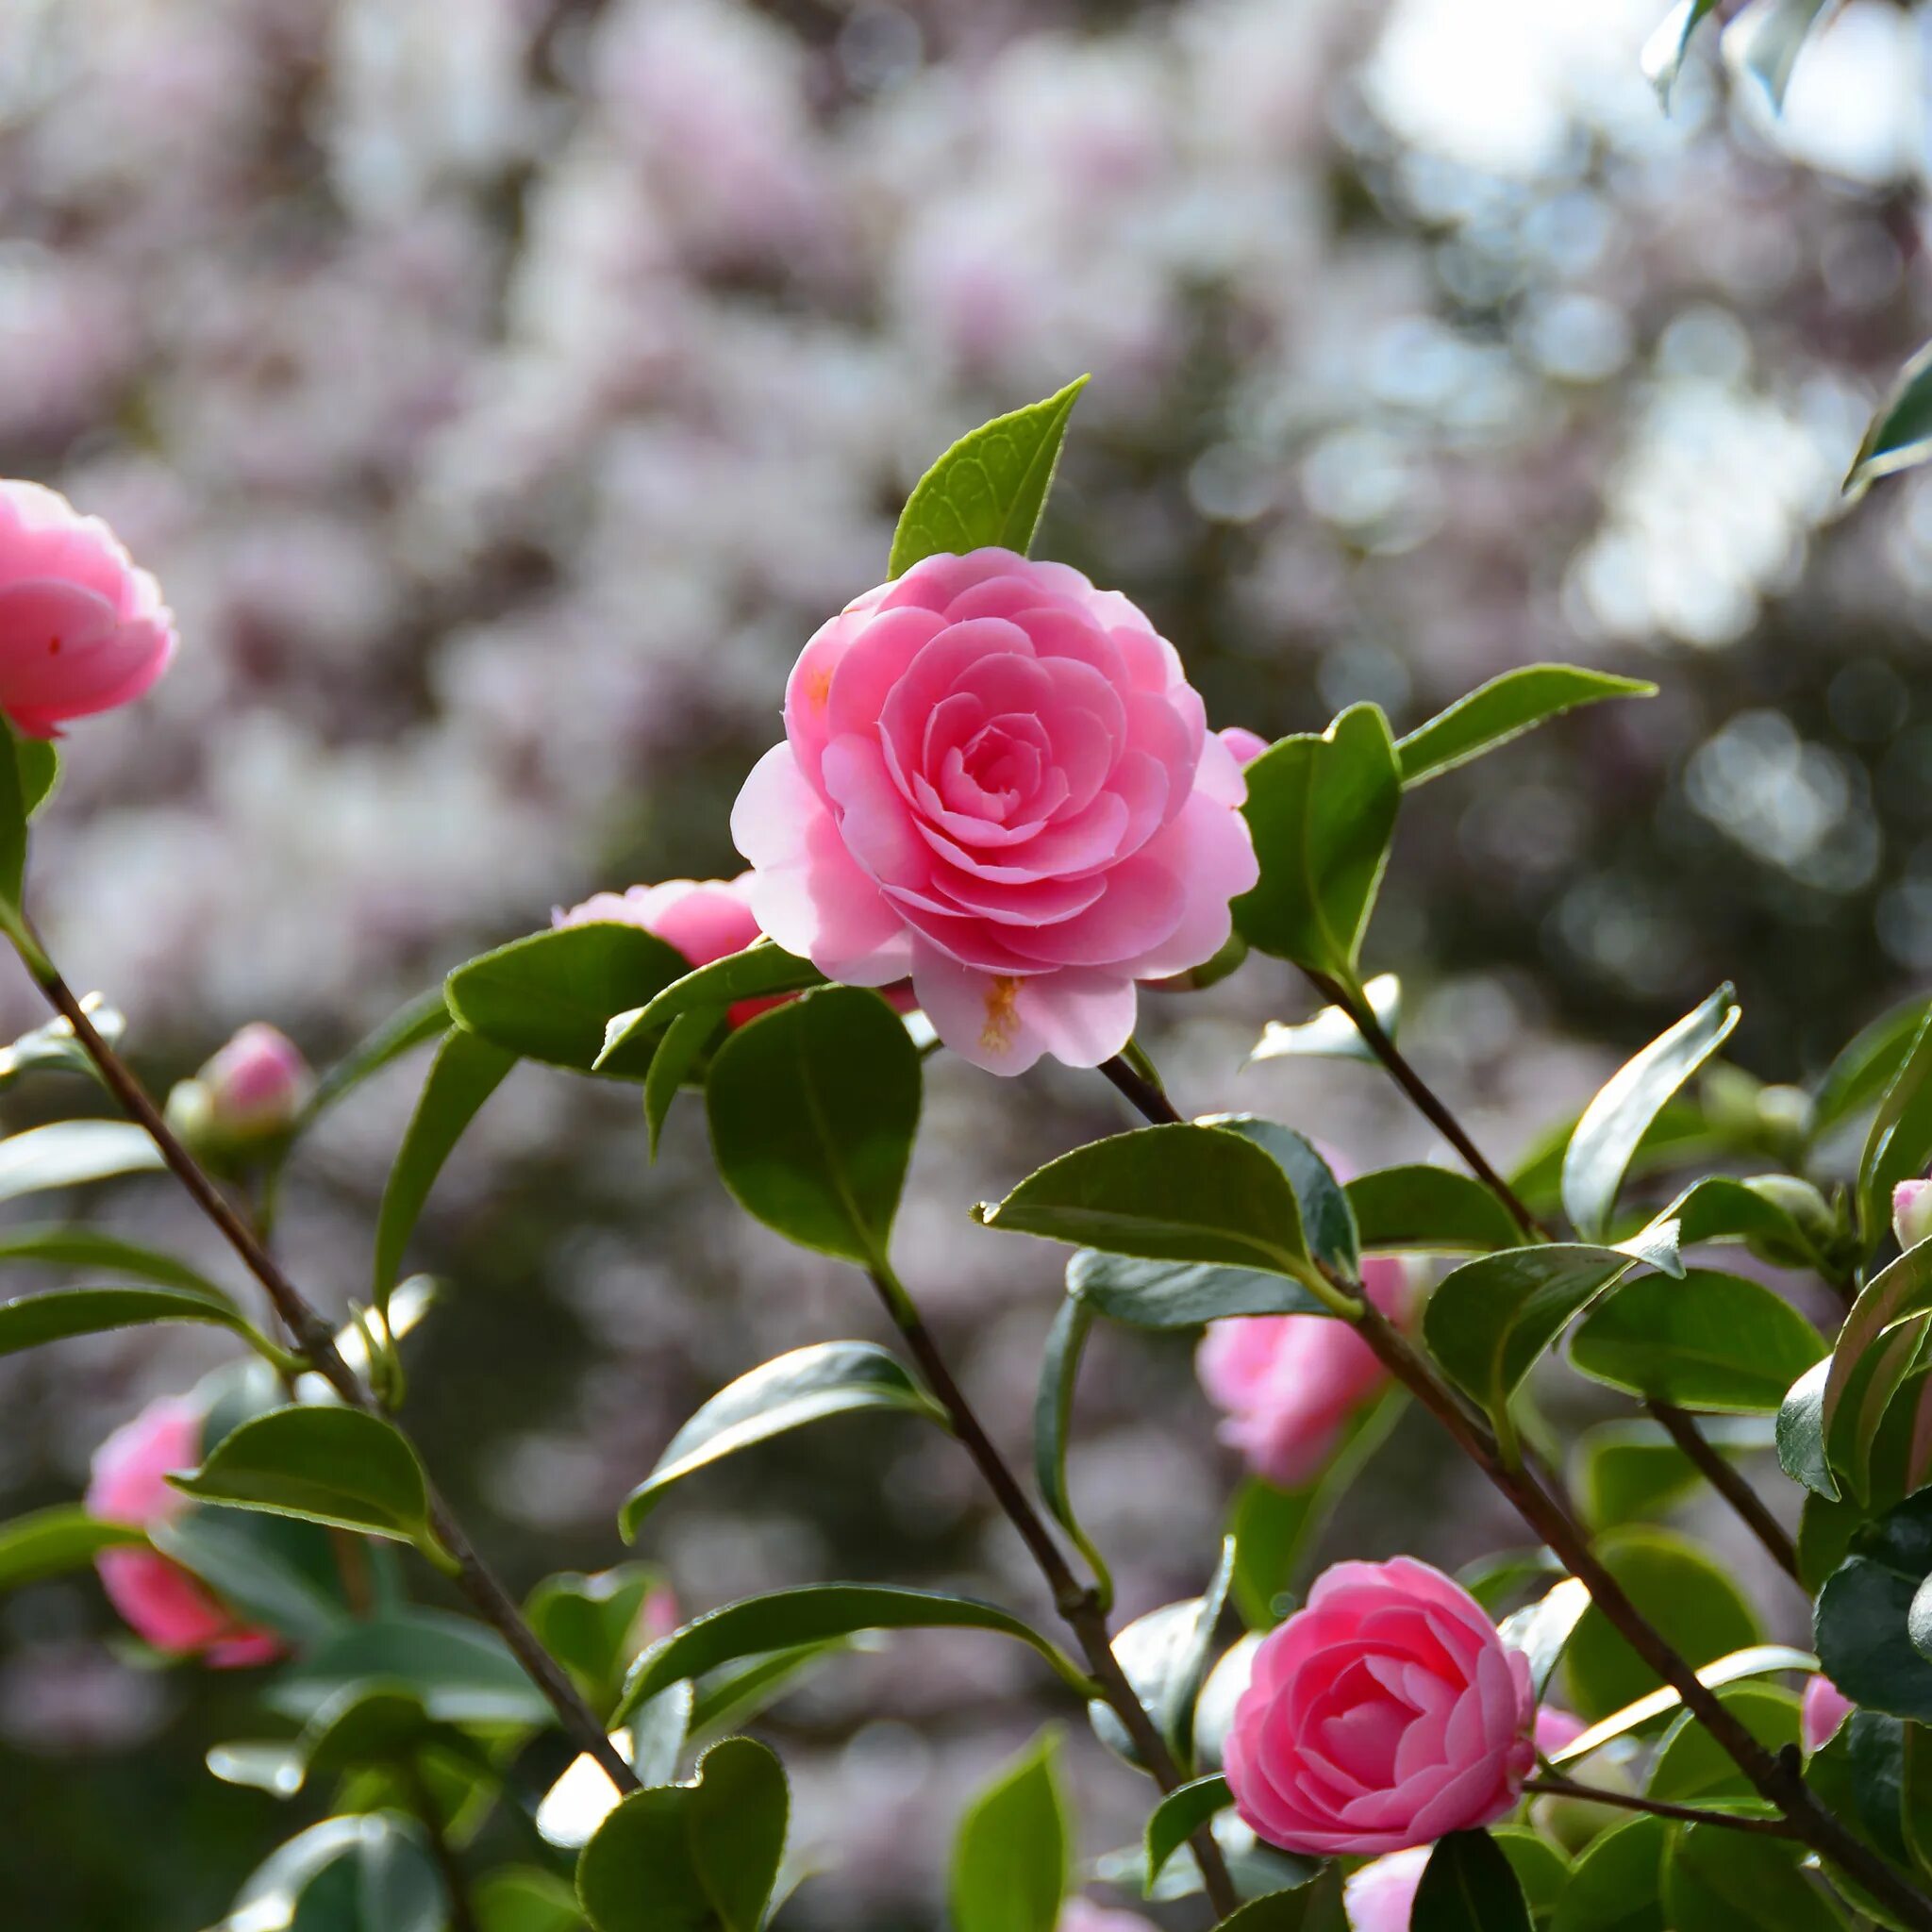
[(159, 1599), (1383, 1714), (1289, 1384), (704, 919), (81, 629), (998, 779)]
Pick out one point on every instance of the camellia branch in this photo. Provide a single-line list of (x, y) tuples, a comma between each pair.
[(1077, 1603), (1659, 1808), (1729, 1484), (1777, 1779), (316, 1343)]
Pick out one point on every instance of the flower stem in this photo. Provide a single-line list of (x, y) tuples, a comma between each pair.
[(1077, 1603), (315, 1342)]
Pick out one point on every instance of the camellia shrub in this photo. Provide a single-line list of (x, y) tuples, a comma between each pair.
[(997, 813)]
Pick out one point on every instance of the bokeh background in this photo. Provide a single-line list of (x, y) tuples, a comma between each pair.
[(503, 389)]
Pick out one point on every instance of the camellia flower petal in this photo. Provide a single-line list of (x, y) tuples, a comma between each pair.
[(1825, 1708), (1381, 1896), (704, 919), (997, 778), (1383, 1714), (81, 628)]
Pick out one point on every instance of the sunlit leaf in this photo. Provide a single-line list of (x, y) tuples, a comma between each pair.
[(1504, 708)]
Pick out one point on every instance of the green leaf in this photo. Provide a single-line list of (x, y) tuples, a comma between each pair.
[(1543, 1631), (1468, 1886), (1327, 1220), (1178, 1816), (366, 1724), (64, 1154), (590, 1623), (462, 1672), (1773, 34), (58, 1313), (989, 488), (1181, 1294), (1053, 1405), (1323, 811), (1717, 1880), (1900, 1139), (1900, 436), (813, 1107), (52, 1048), (1692, 1767), (1829, 1422), (762, 970), (701, 1857), (1505, 708), (1433, 1210), (1867, 1066), (1615, 1122), (816, 1613), (1165, 1656), (1915, 1796), (1864, 1616), (1616, 1884), (1759, 1212), (366, 1873), (327, 1465), (1490, 1320), (1541, 1868), (1755, 1660), (51, 1542), (1014, 1848), (465, 1072), (1686, 1593), (1331, 1034), (1707, 1342), (685, 1043), (37, 760), (425, 1018), (735, 1693), (824, 1379), (1182, 1192), (524, 1898), (1308, 1907), (550, 996), (1662, 58), (1630, 1469), (275, 1570), (68, 1246), (577, 1804)]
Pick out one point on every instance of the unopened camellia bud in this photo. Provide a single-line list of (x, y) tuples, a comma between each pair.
[(246, 1095), (1911, 1212)]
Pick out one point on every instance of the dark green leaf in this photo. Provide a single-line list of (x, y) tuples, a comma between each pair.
[(762, 970), (1541, 1868), (1867, 1066), (824, 1379), (365, 1872), (523, 1898), (1011, 1857), (37, 760), (67, 1153), (590, 1623), (322, 1464), (58, 1313), (1327, 1220), (1616, 1884), (1614, 1124), (989, 486), (1331, 1034), (1170, 1193), (685, 1043), (1722, 1881), (1468, 1886), (1308, 1907), (734, 1693), (550, 996), (1864, 1614), (68, 1246), (1708, 1341), (52, 1542), (1692, 1767), (1631, 1469), (461, 1671), (1059, 1367), (653, 1743), (1433, 1210), (466, 1072), (1662, 58), (1181, 1294), (694, 1858), (1900, 436), (814, 1106), (1178, 1816), (1165, 1656), (1505, 708), (1323, 811), (276, 1572), (1543, 1630), (815, 1614), (1872, 1356), (366, 1724), (1900, 1139), (1762, 1213)]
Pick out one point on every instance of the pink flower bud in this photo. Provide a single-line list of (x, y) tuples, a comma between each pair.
[(1911, 1212), (704, 919), (256, 1084), (1383, 1714), (1825, 1707), (81, 629), (1381, 1896), (160, 1602), (1289, 1384)]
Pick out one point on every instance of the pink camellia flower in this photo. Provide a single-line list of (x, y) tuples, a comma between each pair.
[(258, 1083), (1911, 1212), (1383, 1714), (1289, 1383), (998, 779), (81, 628), (704, 919), (160, 1600), (1381, 1896), (1825, 1708)]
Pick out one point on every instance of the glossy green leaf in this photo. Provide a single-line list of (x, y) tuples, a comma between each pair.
[(1178, 1816), (1707, 1342), (762, 970), (1630, 1470), (1310, 1906), (550, 996), (466, 1072), (1867, 1066), (370, 1872), (989, 488), (1900, 436), (51, 1542), (1829, 1422), (273, 1569), (826, 1378), (1170, 1193), (590, 1624), (1759, 1212), (52, 1048), (366, 1724), (1690, 1597), (423, 1019), (461, 1671), (816, 1613), (58, 1313), (1053, 1405), (38, 762), (1165, 1656), (65, 1154), (1323, 811), (1864, 1630), (1541, 1632), (701, 1857), (1755, 1660), (653, 1743), (1540, 1867), (1692, 1767), (1327, 1220), (524, 1898), (1722, 1881), (1431, 1210), (1662, 58), (1181, 1294), (1013, 1853), (683, 1046), (65, 1245), (1900, 1140), (327, 1465), (813, 1107), (1614, 1124), (1502, 710), (1468, 1886), (735, 1693), (1331, 1034), (1616, 1884)]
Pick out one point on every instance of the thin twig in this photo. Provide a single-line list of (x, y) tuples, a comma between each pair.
[(315, 1340), (1076, 1602), (1729, 1483), (1659, 1808)]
